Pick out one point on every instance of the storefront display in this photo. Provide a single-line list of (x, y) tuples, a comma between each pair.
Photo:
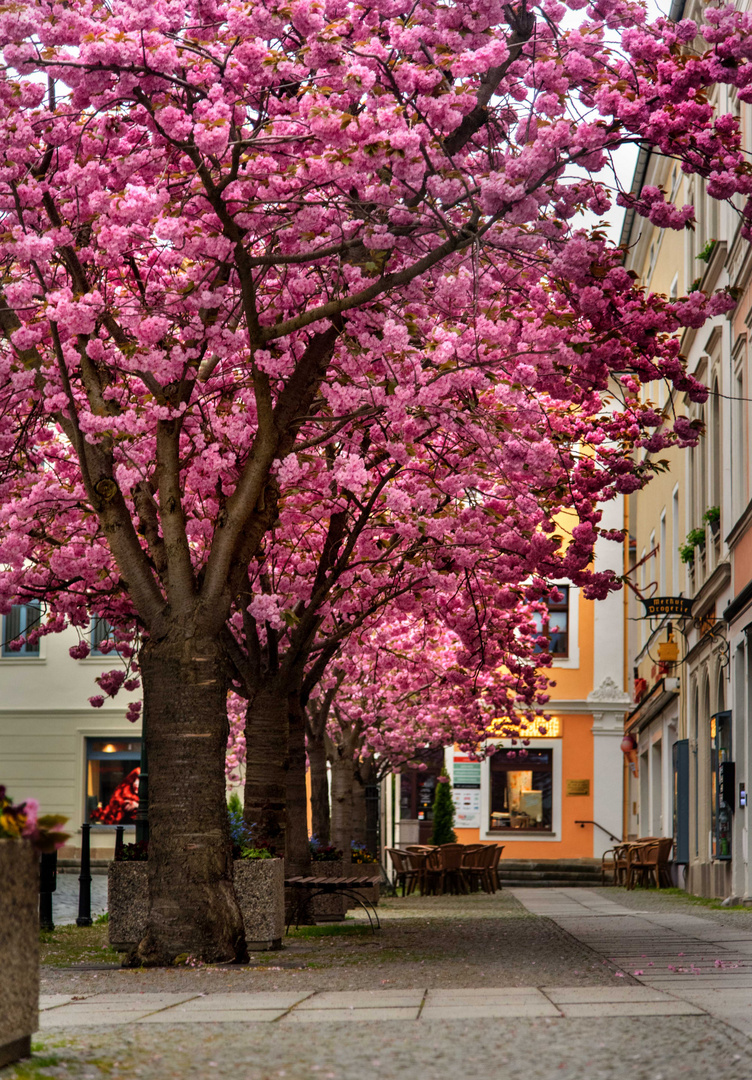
[(521, 790), (112, 771)]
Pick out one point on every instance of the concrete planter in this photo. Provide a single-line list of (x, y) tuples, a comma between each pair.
[(371, 894), (19, 948), (333, 907), (127, 903), (259, 887)]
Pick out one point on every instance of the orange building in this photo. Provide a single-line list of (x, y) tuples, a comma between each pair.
[(561, 796)]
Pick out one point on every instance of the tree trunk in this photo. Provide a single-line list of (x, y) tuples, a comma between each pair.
[(266, 734), (342, 794), (297, 851), (359, 825), (320, 814), (193, 909)]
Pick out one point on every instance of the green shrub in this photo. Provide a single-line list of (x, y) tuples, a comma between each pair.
[(443, 812)]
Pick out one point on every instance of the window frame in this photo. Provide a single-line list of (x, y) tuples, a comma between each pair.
[(521, 766), (130, 756), (525, 836), (23, 653), (557, 608), (94, 651)]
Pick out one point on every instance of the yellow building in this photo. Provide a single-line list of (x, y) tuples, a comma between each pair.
[(562, 798)]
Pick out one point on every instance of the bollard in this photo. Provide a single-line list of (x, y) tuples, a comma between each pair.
[(84, 888), (119, 843), (47, 886)]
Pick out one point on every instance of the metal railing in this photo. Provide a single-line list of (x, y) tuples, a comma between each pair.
[(610, 835)]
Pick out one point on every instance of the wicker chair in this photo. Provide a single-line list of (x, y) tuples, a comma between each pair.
[(650, 860), (405, 874)]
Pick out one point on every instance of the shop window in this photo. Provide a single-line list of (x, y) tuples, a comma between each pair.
[(112, 770), (102, 637), (721, 802), (556, 631), (521, 790), (417, 790), (19, 621)]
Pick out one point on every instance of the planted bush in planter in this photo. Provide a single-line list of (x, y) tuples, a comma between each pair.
[(327, 861), (366, 863), (259, 887), (23, 836)]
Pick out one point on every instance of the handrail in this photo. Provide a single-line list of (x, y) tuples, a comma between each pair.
[(582, 824)]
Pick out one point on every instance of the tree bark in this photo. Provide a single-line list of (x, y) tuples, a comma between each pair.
[(267, 762), (320, 814), (359, 831), (297, 851), (193, 909), (342, 793)]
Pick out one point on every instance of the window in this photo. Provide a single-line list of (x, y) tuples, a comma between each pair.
[(521, 790), (557, 630), (675, 540), (662, 557), (112, 771), (18, 622), (101, 637), (417, 790)]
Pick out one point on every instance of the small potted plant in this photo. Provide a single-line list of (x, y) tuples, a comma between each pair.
[(24, 835), (695, 539), (712, 517)]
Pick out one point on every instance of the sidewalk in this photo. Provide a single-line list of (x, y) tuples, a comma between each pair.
[(543, 984), (692, 957)]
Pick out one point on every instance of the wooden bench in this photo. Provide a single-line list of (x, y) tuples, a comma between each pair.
[(346, 886)]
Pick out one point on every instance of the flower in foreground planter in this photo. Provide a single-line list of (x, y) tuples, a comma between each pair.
[(22, 822)]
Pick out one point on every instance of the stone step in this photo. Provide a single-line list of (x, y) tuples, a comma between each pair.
[(552, 883)]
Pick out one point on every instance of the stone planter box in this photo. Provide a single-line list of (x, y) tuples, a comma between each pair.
[(259, 887), (332, 908), (371, 894), (19, 948)]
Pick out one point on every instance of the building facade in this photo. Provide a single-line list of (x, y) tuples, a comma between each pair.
[(76, 760), (692, 671), (560, 797)]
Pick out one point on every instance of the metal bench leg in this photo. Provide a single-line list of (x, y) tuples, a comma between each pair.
[(367, 907)]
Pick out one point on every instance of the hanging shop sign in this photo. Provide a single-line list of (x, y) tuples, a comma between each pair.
[(680, 607)]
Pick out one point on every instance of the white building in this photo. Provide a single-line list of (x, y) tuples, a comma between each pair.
[(54, 746)]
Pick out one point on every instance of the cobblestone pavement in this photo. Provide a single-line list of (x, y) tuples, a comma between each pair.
[(65, 898), (635, 1010)]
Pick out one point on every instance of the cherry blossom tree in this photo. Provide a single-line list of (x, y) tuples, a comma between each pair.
[(222, 224)]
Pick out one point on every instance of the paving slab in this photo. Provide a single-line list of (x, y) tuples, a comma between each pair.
[(735, 999), (528, 1007), (318, 1016), (265, 1000), (51, 1001), (679, 980), (157, 1000), (586, 995), (482, 995), (631, 1008), (148, 1003), (213, 1016), (63, 1018), (363, 999)]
